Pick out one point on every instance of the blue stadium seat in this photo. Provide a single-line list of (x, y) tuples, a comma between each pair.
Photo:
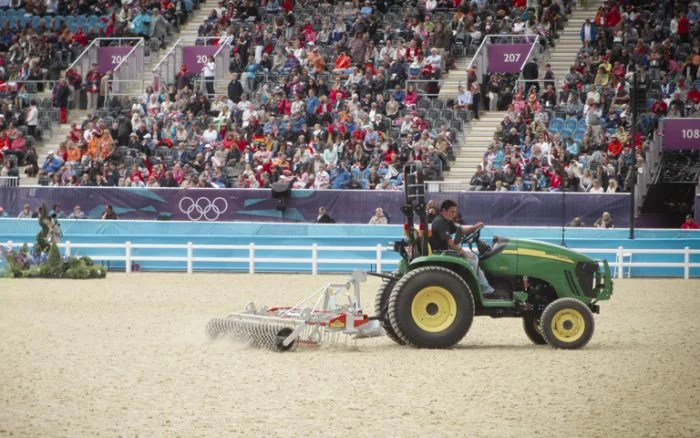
[(582, 124), (571, 124), (578, 135), (556, 125), (564, 134)]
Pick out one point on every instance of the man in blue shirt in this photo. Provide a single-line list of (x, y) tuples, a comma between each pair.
[(52, 164)]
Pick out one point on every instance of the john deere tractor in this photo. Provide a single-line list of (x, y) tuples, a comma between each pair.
[(431, 299)]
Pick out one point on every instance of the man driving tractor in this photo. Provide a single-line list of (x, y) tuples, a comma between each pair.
[(442, 229)]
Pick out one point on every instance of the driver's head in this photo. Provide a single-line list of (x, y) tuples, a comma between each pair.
[(448, 209)]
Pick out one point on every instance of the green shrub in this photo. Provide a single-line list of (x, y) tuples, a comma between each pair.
[(55, 263), (97, 272), (78, 272)]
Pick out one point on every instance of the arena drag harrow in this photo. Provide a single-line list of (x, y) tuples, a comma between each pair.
[(326, 321)]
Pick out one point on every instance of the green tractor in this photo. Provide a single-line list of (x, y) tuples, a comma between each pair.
[(431, 299)]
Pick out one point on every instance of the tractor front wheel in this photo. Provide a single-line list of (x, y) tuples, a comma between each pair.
[(567, 323), (431, 307), (531, 324), (381, 303)]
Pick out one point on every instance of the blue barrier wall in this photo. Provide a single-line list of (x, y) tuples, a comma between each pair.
[(229, 233)]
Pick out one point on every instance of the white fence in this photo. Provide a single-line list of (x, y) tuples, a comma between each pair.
[(190, 259), (622, 264), (9, 181)]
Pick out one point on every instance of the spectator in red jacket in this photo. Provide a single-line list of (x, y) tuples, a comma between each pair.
[(615, 147), (689, 223), (694, 95), (659, 107)]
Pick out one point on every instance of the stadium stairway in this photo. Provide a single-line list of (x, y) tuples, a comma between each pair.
[(448, 90), (479, 133), (569, 43), (58, 133)]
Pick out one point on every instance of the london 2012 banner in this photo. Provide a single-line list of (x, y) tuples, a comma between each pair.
[(681, 134), (345, 206), (507, 58)]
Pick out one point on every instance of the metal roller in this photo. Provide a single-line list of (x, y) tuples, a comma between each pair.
[(269, 335)]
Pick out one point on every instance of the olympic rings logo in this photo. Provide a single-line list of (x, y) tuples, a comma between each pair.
[(205, 208)]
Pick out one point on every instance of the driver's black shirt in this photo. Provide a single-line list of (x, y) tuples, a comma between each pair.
[(441, 232)]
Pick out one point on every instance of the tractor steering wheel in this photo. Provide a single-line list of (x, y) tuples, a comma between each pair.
[(470, 238)]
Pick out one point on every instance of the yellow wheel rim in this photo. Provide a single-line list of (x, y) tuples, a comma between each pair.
[(568, 325), (433, 309)]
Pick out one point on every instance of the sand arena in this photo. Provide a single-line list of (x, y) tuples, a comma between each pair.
[(127, 356)]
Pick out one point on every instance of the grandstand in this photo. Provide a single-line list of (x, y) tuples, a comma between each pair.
[(338, 95)]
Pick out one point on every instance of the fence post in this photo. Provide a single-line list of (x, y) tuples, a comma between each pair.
[(128, 257), (251, 259), (686, 263), (189, 257), (620, 258), (67, 252), (314, 259), (379, 258)]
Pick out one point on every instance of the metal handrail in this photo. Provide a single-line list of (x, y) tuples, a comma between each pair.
[(126, 58), (87, 49), (171, 51)]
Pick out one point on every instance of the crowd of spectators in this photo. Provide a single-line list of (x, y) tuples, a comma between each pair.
[(574, 132), (38, 40), (290, 113), (320, 96)]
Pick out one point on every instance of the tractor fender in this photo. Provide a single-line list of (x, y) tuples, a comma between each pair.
[(454, 263)]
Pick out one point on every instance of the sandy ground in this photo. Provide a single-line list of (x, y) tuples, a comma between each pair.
[(127, 356)]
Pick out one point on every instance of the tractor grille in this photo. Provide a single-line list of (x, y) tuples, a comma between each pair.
[(585, 273)]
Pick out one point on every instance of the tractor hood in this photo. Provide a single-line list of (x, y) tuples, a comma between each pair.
[(534, 249), (529, 257)]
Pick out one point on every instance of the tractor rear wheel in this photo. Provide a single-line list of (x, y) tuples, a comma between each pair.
[(567, 323), (381, 303), (531, 324), (431, 307)]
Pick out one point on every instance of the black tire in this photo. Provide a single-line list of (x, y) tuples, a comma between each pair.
[(381, 304), (531, 325), (427, 296), (567, 323)]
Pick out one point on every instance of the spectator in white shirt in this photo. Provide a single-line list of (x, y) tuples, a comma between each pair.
[(464, 98)]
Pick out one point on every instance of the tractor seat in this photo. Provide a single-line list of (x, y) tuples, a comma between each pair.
[(499, 244)]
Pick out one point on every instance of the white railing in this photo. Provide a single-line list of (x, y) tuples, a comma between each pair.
[(9, 181), (622, 254), (622, 257), (251, 259)]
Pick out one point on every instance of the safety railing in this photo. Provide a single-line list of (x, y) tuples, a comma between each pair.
[(252, 260), (83, 63), (127, 76), (621, 259), (480, 61), (165, 70), (85, 60), (9, 181), (649, 172), (445, 186)]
